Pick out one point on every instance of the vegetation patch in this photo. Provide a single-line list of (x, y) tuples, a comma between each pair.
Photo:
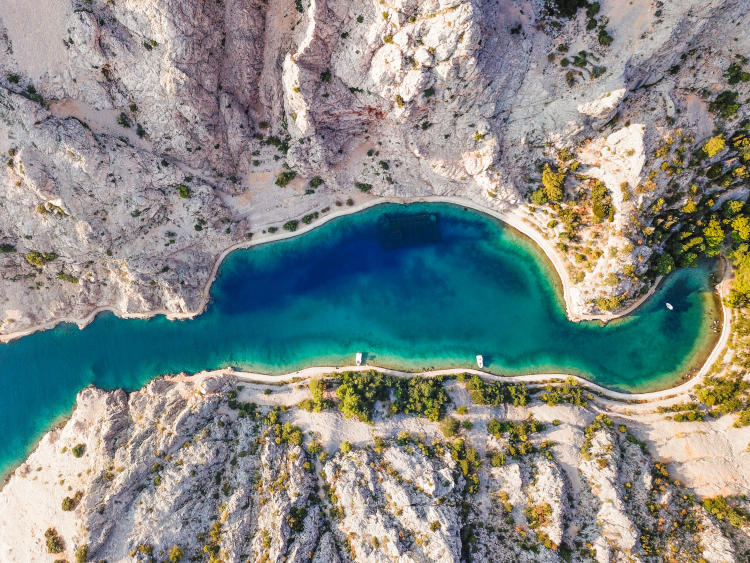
[(53, 541), (495, 394), (40, 259), (285, 177)]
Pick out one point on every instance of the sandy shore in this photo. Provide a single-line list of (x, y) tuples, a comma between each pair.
[(616, 397), (511, 218)]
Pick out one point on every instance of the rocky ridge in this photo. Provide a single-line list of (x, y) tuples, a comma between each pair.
[(146, 137), (211, 468)]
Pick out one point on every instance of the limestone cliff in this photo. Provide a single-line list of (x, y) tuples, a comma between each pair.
[(143, 138), (210, 468)]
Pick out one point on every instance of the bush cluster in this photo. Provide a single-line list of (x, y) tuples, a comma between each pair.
[(495, 394)]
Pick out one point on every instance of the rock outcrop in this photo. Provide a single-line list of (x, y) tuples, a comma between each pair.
[(143, 138), (207, 468)]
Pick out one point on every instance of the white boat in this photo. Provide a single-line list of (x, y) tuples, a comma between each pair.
[(480, 361), (669, 306), (359, 358)]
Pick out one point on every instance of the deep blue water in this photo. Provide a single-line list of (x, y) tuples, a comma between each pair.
[(425, 285)]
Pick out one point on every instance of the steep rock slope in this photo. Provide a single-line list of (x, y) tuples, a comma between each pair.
[(144, 138), (209, 468)]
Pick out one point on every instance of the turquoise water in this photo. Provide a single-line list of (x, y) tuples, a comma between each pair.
[(425, 285)]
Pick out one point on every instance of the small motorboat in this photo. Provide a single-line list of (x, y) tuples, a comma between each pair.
[(359, 358), (480, 361), (669, 306)]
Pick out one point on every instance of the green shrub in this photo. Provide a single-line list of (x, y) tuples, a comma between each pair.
[(362, 186), (6, 248), (721, 509), (316, 181), (287, 433), (714, 146), (183, 190), (82, 553), (39, 259), (567, 8), (54, 541), (601, 201), (124, 120), (285, 177), (291, 226), (449, 426), (296, 518), (518, 434), (735, 74), (78, 450), (604, 37), (568, 392), (345, 447), (175, 554), (67, 277), (725, 104), (495, 394)]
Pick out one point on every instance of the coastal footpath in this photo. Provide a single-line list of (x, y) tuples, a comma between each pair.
[(359, 467)]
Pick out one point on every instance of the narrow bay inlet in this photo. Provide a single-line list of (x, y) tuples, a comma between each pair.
[(414, 287)]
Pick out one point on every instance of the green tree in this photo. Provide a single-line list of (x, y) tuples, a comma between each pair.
[(175, 554), (539, 197), (600, 201), (731, 207), (359, 391), (740, 294), (664, 264), (553, 183), (714, 146), (714, 236), (741, 227)]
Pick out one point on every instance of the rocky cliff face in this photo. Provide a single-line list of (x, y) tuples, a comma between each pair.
[(208, 468), (142, 138)]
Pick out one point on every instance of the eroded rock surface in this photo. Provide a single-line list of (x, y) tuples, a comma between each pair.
[(142, 138), (214, 470)]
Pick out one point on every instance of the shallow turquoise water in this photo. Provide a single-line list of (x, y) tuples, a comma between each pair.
[(425, 285)]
